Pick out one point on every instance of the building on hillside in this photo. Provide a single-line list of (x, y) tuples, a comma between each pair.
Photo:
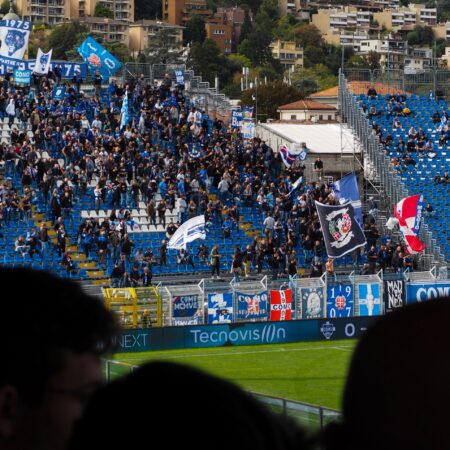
[(288, 53), (414, 14), (308, 110), (442, 31), (445, 59), (143, 31), (178, 12), (392, 51), (122, 9), (51, 12), (109, 29), (221, 32), (418, 60), (286, 7), (234, 16)]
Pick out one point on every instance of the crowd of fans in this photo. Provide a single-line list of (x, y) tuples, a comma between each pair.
[(170, 156)]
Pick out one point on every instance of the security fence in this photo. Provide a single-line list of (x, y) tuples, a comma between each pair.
[(392, 187), (342, 296)]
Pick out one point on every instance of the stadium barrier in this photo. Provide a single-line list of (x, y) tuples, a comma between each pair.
[(343, 296)]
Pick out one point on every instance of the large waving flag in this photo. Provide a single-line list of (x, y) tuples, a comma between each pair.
[(288, 156), (408, 212), (341, 232), (43, 60), (124, 112), (98, 58), (346, 190), (296, 185), (189, 231), (14, 35)]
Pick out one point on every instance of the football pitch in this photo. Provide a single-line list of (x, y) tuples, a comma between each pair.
[(311, 372)]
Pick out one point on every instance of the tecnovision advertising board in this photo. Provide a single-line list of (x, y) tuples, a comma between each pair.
[(237, 334)]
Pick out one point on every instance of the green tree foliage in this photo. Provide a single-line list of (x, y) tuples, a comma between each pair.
[(318, 75), (65, 39), (440, 47), (6, 6), (103, 11), (269, 7), (239, 61), (195, 30), (420, 36), (207, 60), (285, 29), (270, 97), (308, 34), (161, 49), (358, 62), (246, 26), (147, 9)]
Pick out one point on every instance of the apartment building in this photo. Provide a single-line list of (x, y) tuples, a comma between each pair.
[(178, 12), (59, 11), (109, 29), (143, 31), (234, 16), (418, 60), (122, 9), (221, 32), (288, 53), (291, 6), (407, 17), (442, 30), (392, 51)]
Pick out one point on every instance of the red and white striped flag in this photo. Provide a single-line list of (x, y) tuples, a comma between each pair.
[(409, 213)]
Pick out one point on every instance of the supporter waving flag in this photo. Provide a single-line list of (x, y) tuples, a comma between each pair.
[(408, 212), (289, 156)]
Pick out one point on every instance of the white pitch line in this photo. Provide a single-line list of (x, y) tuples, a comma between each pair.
[(344, 349), (193, 355)]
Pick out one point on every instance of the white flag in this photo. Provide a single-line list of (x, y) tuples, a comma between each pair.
[(14, 35), (43, 62), (189, 231)]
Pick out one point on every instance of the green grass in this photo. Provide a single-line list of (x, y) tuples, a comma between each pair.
[(311, 372)]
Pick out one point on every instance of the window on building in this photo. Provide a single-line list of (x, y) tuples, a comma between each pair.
[(320, 117), (330, 117), (293, 117)]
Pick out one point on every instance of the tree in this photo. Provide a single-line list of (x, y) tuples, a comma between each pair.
[(285, 29), (207, 60), (163, 50), (270, 97), (246, 26), (103, 11), (147, 9), (269, 7), (308, 34), (374, 60), (195, 30), (358, 62), (6, 6), (319, 74), (420, 36), (65, 39)]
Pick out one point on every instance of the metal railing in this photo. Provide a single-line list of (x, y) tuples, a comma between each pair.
[(393, 187)]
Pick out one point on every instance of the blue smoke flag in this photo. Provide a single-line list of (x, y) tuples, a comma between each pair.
[(346, 190), (98, 58), (124, 112)]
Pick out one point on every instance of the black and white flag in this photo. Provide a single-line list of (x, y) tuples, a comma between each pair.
[(341, 232)]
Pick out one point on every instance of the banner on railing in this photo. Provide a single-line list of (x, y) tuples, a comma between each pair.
[(340, 300), (237, 116), (312, 303), (369, 299), (252, 306), (220, 308), (186, 310), (281, 305), (419, 292), (394, 295), (179, 75)]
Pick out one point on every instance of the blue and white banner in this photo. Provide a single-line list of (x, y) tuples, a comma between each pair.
[(346, 190), (124, 112), (43, 60), (419, 292), (340, 300), (67, 68), (220, 308), (369, 299), (194, 150), (248, 129), (248, 112), (185, 306), (14, 35), (237, 116), (179, 74), (59, 93), (394, 294), (98, 58), (22, 77), (296, 185), (184, 321), (188, 231), (312, 303), (252, 306)]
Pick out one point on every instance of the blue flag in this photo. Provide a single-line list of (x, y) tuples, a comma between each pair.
[(124, 112), (59, 92), (98, 58), (346, 190)]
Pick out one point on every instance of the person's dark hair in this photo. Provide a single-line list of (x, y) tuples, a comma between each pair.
[(180, 403), (43, 316), (398, 388)]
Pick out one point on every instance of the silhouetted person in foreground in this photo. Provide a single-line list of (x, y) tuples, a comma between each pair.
[(181, 404), (52, 335), (398, 388)]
